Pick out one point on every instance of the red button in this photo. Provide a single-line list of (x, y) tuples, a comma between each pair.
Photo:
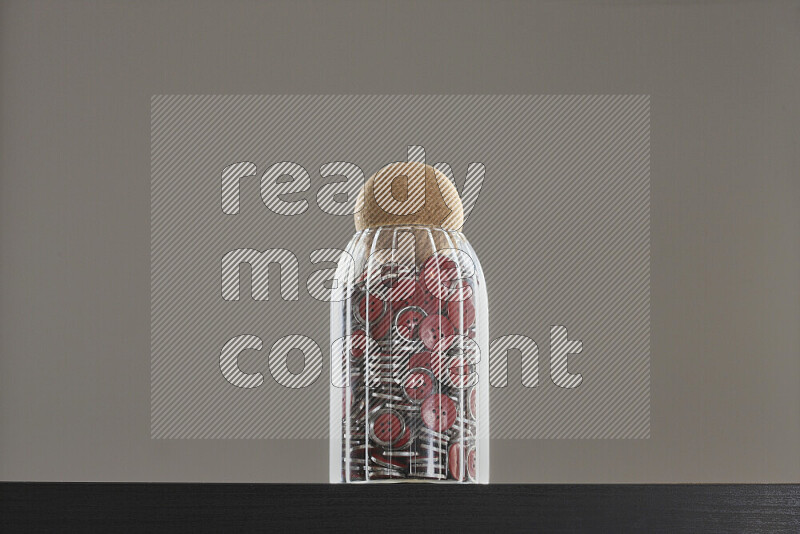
[(404, 439), (439, 412), (421, 359), (408, 321), (388, 462), (388, 279), (454, 461), (437, 264), (439, 364), (380, 330), (462, 290), (473, 403), (358, 341), (370, 308), (459, 372), (419, 384), (472, 462), (436, 362), (425, 300), (461, 310), (387, 427), (347, 401), (438, 275), (403, 289), (436, 332), (355, 474)]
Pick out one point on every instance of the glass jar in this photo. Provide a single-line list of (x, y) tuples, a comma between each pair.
[(409, 359)]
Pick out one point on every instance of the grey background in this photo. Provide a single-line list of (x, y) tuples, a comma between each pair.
[(74, 215)]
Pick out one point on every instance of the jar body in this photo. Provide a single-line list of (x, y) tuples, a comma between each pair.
[(409, 359)]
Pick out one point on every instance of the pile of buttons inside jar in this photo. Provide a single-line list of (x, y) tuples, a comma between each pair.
[(410, 408)]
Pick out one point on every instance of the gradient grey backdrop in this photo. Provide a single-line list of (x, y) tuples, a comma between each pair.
[(76, 83)]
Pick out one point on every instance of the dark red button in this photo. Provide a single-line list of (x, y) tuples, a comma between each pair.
[(388, 462), (404, 439), (473, 403), (454, 461), (347, 401), (438, 412), (461, 313), (459, 372), (370, 308), (436, 332), (419, 384), (408, 321), (421, 359), (400, 303), (358, 342), (355, 474), (436, 265), (380, 330), (472, 461), (425, 300), (435, 361), (438, 274), (439, 365), (387, 427), (403, 290)]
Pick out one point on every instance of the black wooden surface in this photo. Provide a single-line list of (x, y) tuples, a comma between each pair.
[(54, 507)]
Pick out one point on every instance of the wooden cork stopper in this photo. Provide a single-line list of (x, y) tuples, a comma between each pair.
[(409, 193)]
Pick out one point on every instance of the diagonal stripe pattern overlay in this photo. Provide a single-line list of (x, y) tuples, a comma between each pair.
[(561, 225)]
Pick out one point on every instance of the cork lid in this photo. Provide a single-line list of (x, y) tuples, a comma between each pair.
[(409, 193)]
